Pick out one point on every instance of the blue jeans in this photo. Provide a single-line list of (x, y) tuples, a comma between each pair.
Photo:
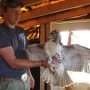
[(15, 84)]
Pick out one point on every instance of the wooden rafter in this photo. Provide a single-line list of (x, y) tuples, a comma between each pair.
[(53, 8), (58, 16), (30, 2)]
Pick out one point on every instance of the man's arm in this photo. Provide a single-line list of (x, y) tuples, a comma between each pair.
[(9, 56)]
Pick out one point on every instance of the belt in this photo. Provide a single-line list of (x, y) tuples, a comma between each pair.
[(23, 77)]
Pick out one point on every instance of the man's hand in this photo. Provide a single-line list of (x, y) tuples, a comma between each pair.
[(32, 81), (45, 63)]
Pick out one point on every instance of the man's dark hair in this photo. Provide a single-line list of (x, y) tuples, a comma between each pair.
[(10, 3)]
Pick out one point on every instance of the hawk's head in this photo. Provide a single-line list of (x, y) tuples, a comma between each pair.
[(55, 36)]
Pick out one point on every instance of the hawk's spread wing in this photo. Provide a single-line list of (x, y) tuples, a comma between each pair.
[(76, 58), (36, 52)]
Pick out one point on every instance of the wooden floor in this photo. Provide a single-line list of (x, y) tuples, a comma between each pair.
[(80, 86)]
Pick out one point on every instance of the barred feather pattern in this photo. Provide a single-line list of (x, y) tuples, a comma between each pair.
[(76, 58), (36, 52)]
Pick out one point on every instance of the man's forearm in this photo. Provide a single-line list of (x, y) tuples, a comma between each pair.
[(21, 63)]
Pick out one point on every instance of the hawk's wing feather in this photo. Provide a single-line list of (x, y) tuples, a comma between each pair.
[(36, 52), (76, 58)]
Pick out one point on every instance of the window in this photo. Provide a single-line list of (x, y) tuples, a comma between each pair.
[(80, 37)]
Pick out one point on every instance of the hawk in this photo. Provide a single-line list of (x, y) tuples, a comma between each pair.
[(68, 58)]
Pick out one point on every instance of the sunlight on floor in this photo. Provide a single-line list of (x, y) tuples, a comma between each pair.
[(79, 77)]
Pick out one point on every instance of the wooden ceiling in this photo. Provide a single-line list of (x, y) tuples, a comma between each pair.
[(44, 11)]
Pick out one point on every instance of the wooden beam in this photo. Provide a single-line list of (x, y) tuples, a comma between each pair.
[(42, 34), (30, 2), (59, 16), (29, 23), (53, 8)]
